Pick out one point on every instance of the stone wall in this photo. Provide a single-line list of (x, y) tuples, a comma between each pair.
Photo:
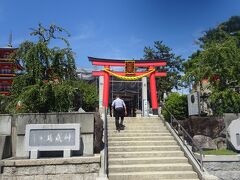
[(75, 168), (15, 125), (229, 117), (224, 170), (225, 167), (5, 136)]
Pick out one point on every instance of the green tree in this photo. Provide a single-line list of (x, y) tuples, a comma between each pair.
[(41, 62), (49, 82), (218, 60), (177, 105), (174, 66), (3, 103)]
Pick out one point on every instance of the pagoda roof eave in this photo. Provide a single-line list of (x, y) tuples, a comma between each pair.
[(8, 48)]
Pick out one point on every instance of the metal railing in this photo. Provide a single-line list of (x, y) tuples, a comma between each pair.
[(105, 142), (186, 139)]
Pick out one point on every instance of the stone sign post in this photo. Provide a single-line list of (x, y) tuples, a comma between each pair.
[(52, 137)]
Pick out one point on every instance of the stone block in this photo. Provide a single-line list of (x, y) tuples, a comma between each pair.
[(90, 176), (2, 143), (25, 177), (60, 177), (77, 177), (9, 171), (53, 161), (94, 167), (82, 168), (36, 170), (5, 125), (87, 144), (65, 169), (7, 178), (50, 169), (52, 137), (87, 168), (54, 177), (20, 148), (40, 177), (85, 119), (22, 171)]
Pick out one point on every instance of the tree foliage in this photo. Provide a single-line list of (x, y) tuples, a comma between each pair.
[(49, 82), (177, 105), (218, 60), (174, 66), (41, 62), (3, 103), (61, 97)]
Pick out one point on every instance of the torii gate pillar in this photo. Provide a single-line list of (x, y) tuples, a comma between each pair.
[(153, 91), (144, 97)]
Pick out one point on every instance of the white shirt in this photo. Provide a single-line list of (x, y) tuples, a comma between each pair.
[(117, 103)]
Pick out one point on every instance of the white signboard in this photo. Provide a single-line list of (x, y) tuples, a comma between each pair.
[(193, 104), (52, 137)]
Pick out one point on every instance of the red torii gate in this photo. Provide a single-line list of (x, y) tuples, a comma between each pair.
[(129, 74)]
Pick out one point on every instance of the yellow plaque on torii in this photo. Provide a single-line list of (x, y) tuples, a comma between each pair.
[(129, 67)]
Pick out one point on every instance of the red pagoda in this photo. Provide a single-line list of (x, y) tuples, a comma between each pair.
[(8, 68)]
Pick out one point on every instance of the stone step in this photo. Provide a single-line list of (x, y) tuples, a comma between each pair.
[(142, 143), (145, 150), (153, 175), (112, 126), (149, 167), (137, 134), (159, 128), (147, 160), (145, 154), (111, 123), (137, 131), (137, 138), (135, 119), (137, 125), (141, 148)]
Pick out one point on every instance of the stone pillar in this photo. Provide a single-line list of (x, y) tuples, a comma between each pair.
[(100, 92), (144, 97)]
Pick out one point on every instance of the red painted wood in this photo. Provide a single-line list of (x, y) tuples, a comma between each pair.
[(153, 91), (101, 73), (5, 93), (137, 64), (106, 88)]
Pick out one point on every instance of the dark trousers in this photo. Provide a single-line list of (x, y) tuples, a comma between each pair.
[(119, 112)]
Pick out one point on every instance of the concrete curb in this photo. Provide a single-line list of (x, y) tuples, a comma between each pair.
[(221, 158)]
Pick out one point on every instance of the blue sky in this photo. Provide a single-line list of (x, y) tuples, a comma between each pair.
[(117, 28)]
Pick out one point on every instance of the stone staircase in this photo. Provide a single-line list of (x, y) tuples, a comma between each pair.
[(145, 150)]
